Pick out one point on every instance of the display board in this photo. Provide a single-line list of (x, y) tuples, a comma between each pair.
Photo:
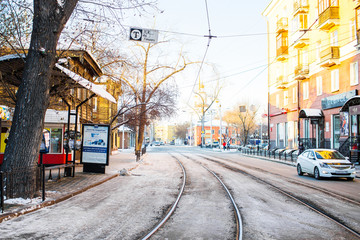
[(95, 144)]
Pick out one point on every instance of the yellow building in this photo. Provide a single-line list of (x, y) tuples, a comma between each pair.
[(164, 133), (313, 70)]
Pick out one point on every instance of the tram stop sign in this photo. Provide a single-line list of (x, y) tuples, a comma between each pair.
[(144, 35)]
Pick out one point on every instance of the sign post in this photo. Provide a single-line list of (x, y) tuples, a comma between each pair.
[(144, 35), (95, 147)]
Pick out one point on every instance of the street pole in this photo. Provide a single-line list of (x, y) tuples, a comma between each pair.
[(220, 141), (191, 129), (211, 134), (123, 133)]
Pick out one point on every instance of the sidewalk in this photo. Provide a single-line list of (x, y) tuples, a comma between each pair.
[(357, 166), (66, 187)]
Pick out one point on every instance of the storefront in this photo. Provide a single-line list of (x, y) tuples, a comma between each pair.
[(56, 124), (350, 119)]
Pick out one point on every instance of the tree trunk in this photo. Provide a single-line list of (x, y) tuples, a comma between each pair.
[(140, 138), (22, 149)]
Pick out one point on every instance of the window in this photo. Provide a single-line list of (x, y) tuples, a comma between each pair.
[(306, 90), (295, 95), (55, 140), (335, 80), (300, 22), (352, 30), (325, 4), (354, 73), (277, 101), (286, 97), (318, 86), (95, 103), (318, 50), (334, 38)]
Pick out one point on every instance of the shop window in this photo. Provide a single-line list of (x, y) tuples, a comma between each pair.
[(55, 140), (354, 73), (336, 131)]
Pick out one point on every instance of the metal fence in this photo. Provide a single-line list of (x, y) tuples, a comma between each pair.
[(19, 182), (273, 153)]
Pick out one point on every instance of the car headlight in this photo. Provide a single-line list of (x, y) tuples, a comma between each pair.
[(324, 165)]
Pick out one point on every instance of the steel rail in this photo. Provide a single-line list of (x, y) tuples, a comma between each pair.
[(167, 216), (239, 233), (329, 192), (299, 200)]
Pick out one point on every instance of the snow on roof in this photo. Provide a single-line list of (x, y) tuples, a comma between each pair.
[(126, 129), (97, 89), (311, 112), (12, 56)]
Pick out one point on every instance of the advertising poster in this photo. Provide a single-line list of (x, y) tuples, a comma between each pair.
[(344, 124), (95, 144)]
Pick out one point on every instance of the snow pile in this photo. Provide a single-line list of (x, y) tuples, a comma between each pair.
[(22, 201)]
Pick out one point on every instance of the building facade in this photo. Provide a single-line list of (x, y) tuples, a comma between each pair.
[(313, 58)]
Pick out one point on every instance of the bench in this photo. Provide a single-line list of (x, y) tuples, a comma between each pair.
[(60, 167)]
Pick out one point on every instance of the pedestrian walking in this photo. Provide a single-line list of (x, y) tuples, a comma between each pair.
[(228, 146), (224, 145), (301, 148)]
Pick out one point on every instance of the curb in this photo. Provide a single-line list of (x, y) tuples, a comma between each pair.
[(11, 215)]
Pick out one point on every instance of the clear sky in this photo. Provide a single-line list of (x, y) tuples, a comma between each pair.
[(237, 57)]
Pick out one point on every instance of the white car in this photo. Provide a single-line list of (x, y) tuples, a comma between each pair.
[(325, 163)]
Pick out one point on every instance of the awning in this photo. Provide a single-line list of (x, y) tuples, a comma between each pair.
[(97, 89), (311, 113), (351, 102)]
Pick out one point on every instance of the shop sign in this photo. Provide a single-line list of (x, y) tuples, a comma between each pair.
[(337, 100), (5, 113)]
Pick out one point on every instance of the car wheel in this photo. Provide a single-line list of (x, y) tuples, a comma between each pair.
[(299, 171), (317, 173), (350, 179)]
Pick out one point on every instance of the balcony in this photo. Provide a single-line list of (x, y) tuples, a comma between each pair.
[(301, 6), (329, 57), (358, 39), (281, 82), (300, 38), (329, 18), (301, 72), (282, 53), (282, 25)]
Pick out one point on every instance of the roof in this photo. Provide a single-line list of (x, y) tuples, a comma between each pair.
[(311, 113), (355, 100), (97, 89)]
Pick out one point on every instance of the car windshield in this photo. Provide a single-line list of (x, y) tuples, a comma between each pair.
[(324, 154)]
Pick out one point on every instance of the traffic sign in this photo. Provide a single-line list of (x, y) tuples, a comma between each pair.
[(144, 35)]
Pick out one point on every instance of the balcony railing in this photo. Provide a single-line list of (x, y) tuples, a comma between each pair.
[(329, 56), (282, 53), (329, 18), (301, 6), (282, 25), (300, 38), (281, 82), (301, 72)]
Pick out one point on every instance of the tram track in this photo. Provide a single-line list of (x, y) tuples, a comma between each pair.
[(169, 213), (310, 205), (327, 191)]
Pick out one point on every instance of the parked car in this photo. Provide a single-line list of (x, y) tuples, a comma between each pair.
[(325, 163), (156, 143)]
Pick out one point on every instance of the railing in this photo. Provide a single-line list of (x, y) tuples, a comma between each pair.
[(20, 182), (282, 24), (301, 70), (281, 50), (344, 148), (272, 154), (331, 12), (330, 53), (300, 5)]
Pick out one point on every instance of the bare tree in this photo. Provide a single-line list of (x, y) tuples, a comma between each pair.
[(147, 88), (181, 130), (33, 95), (244, 119)]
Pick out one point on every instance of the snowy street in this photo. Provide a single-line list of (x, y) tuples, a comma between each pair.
[(128, 207)]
